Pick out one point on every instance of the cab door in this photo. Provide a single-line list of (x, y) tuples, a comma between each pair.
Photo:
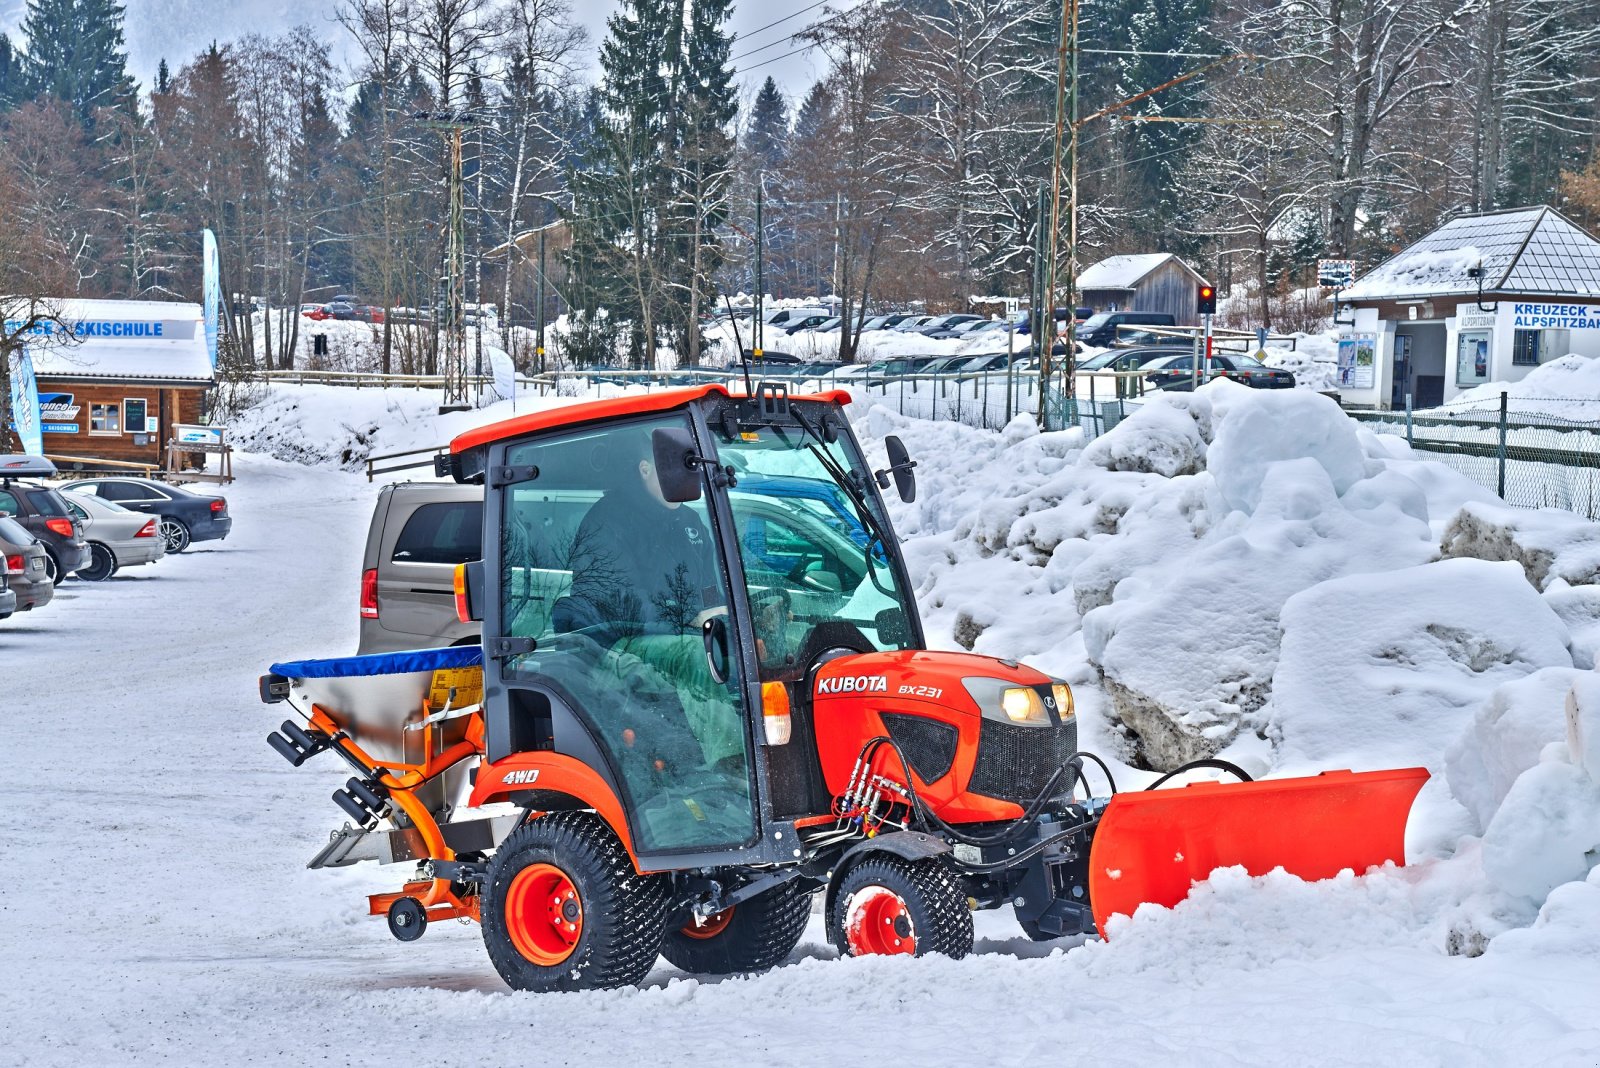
[(614, 587)]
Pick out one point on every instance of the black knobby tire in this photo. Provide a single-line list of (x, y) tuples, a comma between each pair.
[(623, 913), (52, 569), (758, 934), (175, 532), (932, 896), (102, 563)]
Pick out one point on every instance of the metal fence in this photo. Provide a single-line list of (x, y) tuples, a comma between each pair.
[(1517, 448)]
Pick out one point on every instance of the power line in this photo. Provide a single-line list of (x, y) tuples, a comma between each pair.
[(786, 18)]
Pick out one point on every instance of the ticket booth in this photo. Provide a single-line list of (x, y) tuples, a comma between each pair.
[(1484, 298)]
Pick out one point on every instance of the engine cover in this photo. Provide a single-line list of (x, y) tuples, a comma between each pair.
[(965, 767)]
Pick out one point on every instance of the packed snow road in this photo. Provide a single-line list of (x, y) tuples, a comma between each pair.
[(157, 909)]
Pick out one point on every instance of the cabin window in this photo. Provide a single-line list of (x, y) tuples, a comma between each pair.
[(105, 419)]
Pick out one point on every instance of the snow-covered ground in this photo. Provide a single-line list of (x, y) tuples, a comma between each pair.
[(1248, 565)]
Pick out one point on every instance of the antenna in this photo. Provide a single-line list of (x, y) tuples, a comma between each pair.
[(749, 390)]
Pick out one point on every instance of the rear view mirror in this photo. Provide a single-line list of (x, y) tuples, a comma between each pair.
[(900, 465), (675, 462)]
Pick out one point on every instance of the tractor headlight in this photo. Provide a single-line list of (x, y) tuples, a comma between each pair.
[(1033, 706), (1022, 704)]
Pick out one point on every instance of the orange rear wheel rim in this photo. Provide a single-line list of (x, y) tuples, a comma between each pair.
[(711, 926), (878, 922), (544, 914)]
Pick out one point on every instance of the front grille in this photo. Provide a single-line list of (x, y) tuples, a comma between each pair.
[(1015, 763), (929, 746)]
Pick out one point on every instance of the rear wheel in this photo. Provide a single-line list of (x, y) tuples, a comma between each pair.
[(52, 568), (563, 908), (175, 532), (888, 905), (749, 937), (102, 563)]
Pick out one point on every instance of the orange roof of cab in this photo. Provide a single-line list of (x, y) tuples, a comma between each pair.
[(611, 408)]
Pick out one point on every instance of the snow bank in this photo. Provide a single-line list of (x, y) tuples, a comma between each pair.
[(1314, 361), (1565, 388), (1549, 544)]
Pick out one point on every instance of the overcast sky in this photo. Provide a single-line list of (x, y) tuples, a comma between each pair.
[(179, 29)]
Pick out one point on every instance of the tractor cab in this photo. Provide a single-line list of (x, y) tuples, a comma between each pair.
[(657, 586)]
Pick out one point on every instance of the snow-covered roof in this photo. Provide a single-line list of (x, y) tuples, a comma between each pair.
[(124, 339), (1126, 272), (1525, 250)]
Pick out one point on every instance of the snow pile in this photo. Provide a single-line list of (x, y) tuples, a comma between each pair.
[(1567, 388), (1314, 361)]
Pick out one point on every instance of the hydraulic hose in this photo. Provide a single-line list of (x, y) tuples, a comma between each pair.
[(1222, 765)]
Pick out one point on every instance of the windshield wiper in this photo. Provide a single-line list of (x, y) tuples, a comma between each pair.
[(877, 535)]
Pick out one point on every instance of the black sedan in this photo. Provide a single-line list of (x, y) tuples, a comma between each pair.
[(1177, 372), (186, 516)]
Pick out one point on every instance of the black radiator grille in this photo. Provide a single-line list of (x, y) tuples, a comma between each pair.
[(1015, 763), (929, 745)]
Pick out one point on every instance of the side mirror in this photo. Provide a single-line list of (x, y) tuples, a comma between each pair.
[(900, 465), (675, 461)]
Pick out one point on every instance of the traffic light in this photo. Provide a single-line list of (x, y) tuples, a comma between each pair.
[(1206, 299)]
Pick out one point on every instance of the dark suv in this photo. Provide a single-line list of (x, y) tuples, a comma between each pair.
[(1100, 331), (186, 516), (43, 513)]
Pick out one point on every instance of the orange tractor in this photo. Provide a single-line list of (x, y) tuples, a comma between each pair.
[(705, 697)]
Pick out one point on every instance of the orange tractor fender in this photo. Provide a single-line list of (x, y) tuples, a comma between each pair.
[(553, 773)]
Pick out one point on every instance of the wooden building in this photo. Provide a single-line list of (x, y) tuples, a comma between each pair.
[(1483, 298), (1152, 282), (117, 379)]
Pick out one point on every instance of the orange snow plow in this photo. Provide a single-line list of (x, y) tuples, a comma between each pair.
[(1154, 845), (707, 697)]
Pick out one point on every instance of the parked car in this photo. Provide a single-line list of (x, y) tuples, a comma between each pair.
[(27, 566), (942, 325), (118, 537), (1099, 375), (420, 531), (343, 310), (8, 600), (184, 516), (911, 323), (369, 313), (41, 511), (809, 322), (829, 326), (1177, 373), (787, 317), (1100, 331)]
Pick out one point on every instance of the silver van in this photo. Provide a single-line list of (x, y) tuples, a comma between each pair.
[(420, 531)]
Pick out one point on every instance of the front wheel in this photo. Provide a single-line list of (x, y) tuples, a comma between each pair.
[(564, 909), (749, 937), (175, 532), (102, 564), (889, 905)]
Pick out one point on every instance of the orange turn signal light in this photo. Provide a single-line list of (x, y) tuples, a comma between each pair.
[(775, 714), (463, 608)]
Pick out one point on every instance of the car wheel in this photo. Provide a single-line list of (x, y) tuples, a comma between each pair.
[(102, 564), (175, 533), (52, 568)]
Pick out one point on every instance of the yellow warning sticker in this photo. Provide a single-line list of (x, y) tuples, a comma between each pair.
[(466, 681)]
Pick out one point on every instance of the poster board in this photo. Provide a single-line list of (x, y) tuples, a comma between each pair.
[(1358, 361)]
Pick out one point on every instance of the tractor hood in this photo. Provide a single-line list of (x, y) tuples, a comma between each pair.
[(944, 679)]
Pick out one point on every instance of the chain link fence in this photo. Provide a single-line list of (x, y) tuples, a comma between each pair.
[(1533, 453)]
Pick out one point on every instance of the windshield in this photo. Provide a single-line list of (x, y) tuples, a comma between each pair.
[(1095, 322), (811, 538)]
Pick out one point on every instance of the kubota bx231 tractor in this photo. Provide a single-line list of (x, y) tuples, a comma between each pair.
[(705, 697)]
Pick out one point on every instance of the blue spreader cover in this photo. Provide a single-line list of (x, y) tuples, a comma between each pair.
[(347, 667)]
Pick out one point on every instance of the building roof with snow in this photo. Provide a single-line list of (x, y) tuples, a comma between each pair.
[(1533, 251), (124, 340), (1126, 272)]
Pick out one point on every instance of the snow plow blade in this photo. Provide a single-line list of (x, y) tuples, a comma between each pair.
[(1155, 845)]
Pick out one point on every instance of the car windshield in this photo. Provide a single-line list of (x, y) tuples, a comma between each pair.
[(812, 542), (1095, 322), (1247, 363)]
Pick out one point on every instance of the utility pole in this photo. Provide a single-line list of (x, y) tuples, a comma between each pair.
[(477, 269), (757, 333), (1066, 137), (453, 299)]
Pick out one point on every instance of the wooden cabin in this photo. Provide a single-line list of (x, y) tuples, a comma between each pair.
[(117, 378), (1150, 282)]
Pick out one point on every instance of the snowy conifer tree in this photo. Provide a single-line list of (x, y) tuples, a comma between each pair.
[(76, 54)]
